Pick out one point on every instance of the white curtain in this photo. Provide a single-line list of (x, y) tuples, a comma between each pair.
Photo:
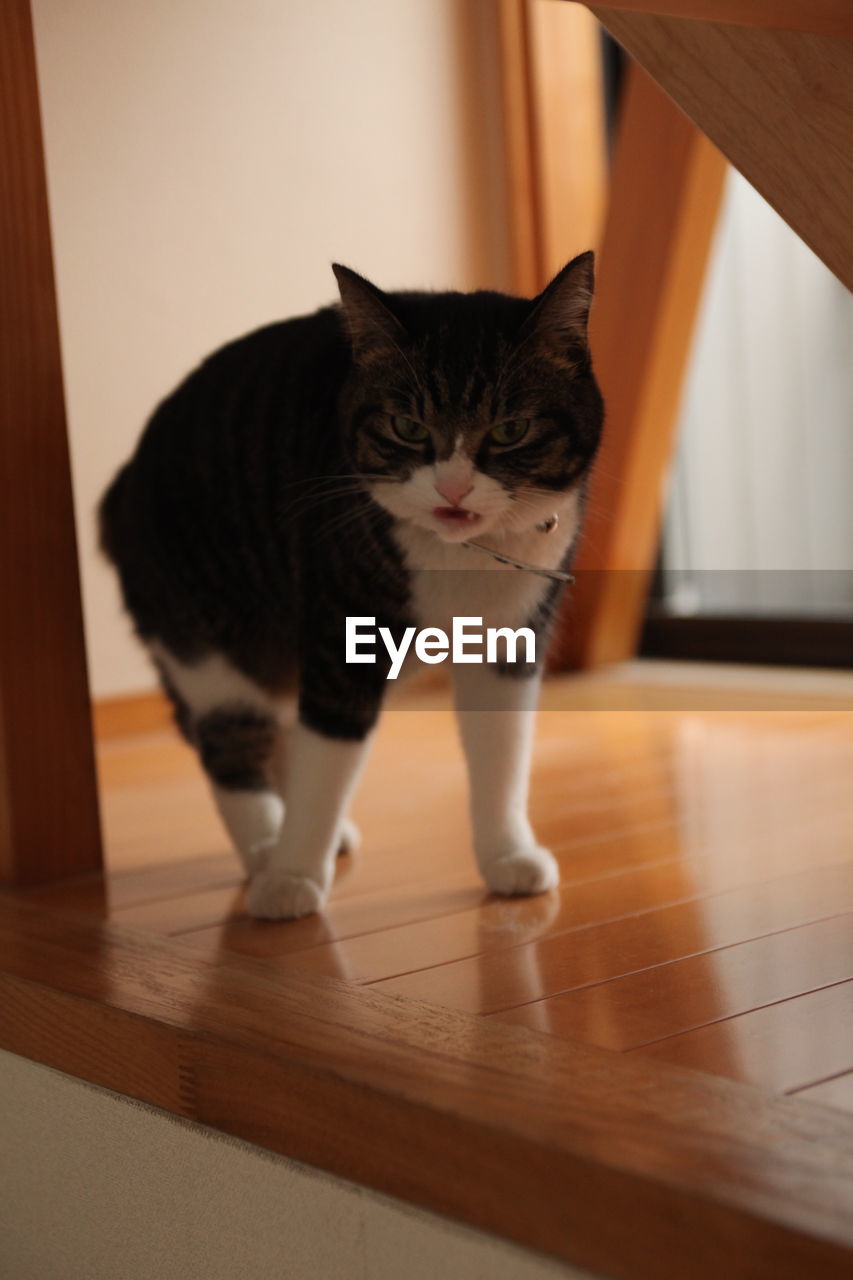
[(760, 510)]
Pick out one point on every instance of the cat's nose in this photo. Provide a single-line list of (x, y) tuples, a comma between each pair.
[(453, 490)]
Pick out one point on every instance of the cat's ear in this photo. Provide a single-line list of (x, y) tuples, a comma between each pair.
[(560, 315), (373, 328)]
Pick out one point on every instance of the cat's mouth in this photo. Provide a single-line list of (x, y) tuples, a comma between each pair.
[(456, 515), (458, 521)]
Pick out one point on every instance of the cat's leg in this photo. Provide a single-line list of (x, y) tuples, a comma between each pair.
[(298, 868), (240, 740), (349, 836), (237, 745), (249, 779), (339, 705), (496, 713)]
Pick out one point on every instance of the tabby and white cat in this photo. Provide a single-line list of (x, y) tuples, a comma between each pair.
[(332, 466)]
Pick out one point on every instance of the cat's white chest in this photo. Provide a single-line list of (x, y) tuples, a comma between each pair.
[(450, 580)]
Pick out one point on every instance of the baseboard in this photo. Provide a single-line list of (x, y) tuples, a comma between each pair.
[(130, 713), (147, 712)]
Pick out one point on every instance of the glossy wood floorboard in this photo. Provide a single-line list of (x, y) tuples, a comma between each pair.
[(648, 1006), (835, 1092), (703, 821), (782, 1046), (501, 980)]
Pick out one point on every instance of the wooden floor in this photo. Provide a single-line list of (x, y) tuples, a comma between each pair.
[(703, 821)]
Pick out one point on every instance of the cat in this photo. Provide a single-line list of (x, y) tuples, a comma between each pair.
[(335, 465)]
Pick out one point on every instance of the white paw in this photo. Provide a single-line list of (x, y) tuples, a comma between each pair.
[(349, 837), (531, 870), (283, 897)]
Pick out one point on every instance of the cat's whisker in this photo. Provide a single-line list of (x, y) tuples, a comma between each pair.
[(322, 477), (316, 481), (528, 499), (320, 494), (306, 502), (288, 518), (340, 520)]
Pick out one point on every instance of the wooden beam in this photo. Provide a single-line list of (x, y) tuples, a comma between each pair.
[(48, 804), (629, 1168), (778, 104), (554, 135), (568, 130), (829, 17), (519, 148), (665, 192)]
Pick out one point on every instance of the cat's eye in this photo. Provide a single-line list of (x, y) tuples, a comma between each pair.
[(409, 430), (510, 432)]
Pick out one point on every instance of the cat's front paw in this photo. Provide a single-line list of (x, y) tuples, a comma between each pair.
[(524, 871), (283, 897)]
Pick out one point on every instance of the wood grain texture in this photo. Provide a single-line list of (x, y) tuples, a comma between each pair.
[(830, 17), (665, 192), (395, 1094), (778, 104), (48, 804)]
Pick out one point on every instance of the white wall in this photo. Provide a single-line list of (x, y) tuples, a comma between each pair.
[(94, 1186), (208, 159)]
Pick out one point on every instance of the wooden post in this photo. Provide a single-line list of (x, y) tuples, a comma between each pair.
[(665, 193), (519, 147), (49, 825), (554, 135)]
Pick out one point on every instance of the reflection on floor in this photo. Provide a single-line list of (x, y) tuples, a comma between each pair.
[(705, 915)]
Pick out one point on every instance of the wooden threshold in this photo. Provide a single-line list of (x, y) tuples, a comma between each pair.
[(629, 1167)]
